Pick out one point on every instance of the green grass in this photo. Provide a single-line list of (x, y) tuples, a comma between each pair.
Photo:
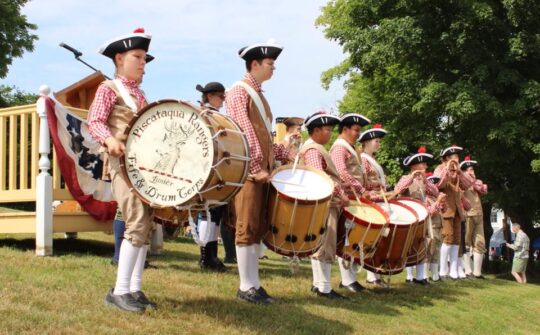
[(64, 295)]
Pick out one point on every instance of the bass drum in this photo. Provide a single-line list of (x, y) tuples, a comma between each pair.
[(178, 155)]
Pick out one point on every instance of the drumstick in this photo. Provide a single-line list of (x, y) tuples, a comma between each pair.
[(386, 202), (297, 157), (286, 182), (358, 199)]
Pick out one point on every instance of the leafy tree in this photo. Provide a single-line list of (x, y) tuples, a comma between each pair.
[(12, 96), (442, 72), (15, 36)]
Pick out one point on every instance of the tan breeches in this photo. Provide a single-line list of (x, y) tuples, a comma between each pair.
[(474, 234), (139, 217)]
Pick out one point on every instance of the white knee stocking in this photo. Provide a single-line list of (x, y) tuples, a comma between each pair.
[(136, 277), (321, 275), (126, 263), (348, 276), (445, 252)]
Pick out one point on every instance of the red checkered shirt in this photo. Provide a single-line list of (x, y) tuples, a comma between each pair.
[(406, 181), (480, 187), (429, 188), (442, 172), (313, 158), (103, 105), (340, 155), (237, 108)]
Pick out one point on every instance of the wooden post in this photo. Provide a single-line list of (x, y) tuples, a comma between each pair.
[(44, 215)]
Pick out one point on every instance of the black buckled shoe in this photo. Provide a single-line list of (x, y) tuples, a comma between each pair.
[(333, 295), (125, 302), (479, 277), (422, 282), (355, 287), (252, 296), (265, 295), (408, 281), (143, 300)]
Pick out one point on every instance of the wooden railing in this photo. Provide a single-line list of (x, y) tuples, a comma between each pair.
[(23, 138)]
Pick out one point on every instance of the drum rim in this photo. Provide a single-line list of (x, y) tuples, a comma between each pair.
[(356, 219), (206, 110), (288, 198), (122, 160)]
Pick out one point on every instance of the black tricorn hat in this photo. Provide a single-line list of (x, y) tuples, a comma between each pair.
[(270, 49), (376, 131), (467, 163), (354, 118), (211, 87), (454, 149), (320, 119), (136, 40), (420, 157)]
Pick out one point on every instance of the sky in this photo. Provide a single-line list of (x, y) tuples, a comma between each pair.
[(194, 42)]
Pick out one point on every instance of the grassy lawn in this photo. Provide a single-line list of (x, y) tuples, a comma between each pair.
[(64, 295)]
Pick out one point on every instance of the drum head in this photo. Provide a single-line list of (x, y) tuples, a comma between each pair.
[(304, 184), (169, 153), (400, 214), (418, 207)]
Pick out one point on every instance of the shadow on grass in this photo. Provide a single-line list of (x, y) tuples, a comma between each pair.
[(283, 318)]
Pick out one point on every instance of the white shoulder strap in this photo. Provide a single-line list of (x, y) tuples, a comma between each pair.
[(258, 102), (124, 93), (377, 167)]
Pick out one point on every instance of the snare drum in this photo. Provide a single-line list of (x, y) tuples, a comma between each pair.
[(418, 250), (359, 230), (298, 207), (391, 255), (180, 156)]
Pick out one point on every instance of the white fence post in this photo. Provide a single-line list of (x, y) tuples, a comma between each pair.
[(44, 214)]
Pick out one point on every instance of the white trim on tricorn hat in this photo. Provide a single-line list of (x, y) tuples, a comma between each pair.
[(467, 163), (320, 119), (354, 118), (376, 132), (270, 49), (420, 157), (136, 40), (454, 149)]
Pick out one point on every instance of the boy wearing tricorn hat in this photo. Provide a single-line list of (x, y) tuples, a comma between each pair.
[(452, 182), (474, 228), (375, 178), (115, 103), (351, 173), (248, 107), (416, 185), (313, 154)]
